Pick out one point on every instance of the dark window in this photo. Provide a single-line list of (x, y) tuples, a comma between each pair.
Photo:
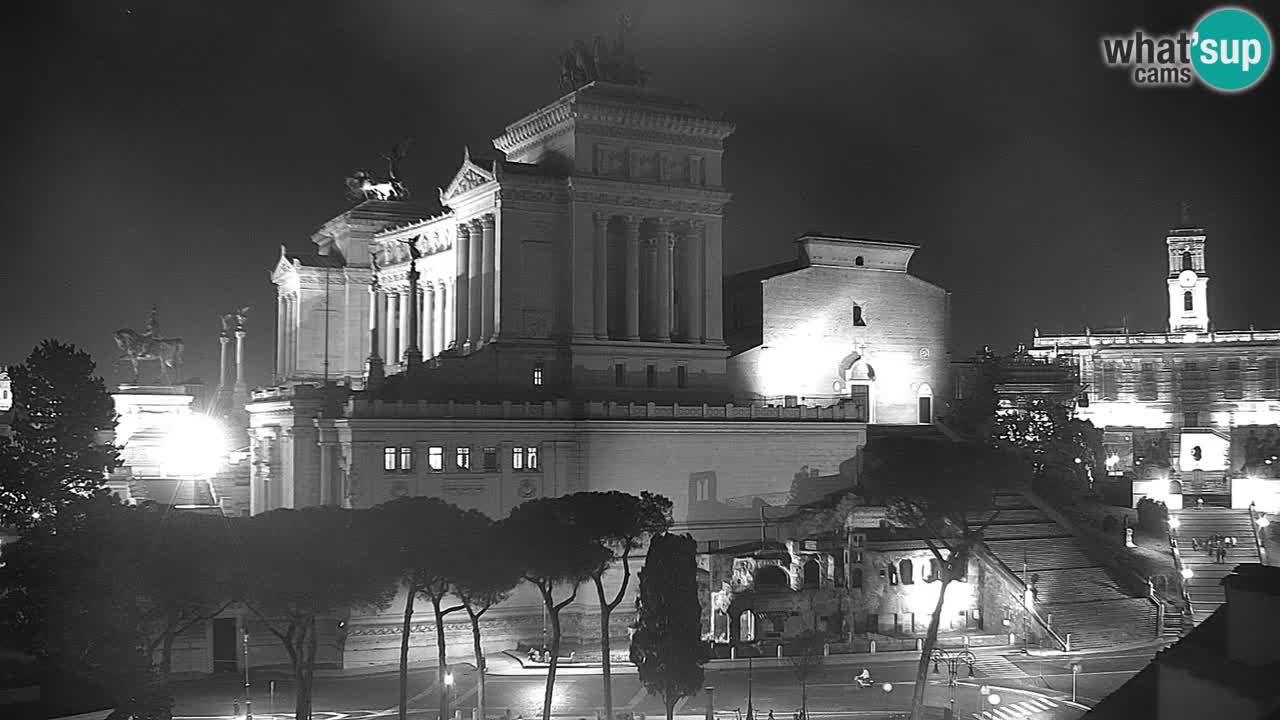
[(1147, 389), (858, 261), (771, 576), (1109, 381), (491, 459), (619, 374), (1186, 261), (838, 576), (857, 317), (934, 571), (1233, 388), (1271, 374), (1187, 303), (1191, 419), (907, 571), (650, 376), (812, 574), (682, 376), (925, 409), (855, 578)]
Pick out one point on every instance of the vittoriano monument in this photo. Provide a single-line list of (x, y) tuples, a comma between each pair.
[(136, 347)]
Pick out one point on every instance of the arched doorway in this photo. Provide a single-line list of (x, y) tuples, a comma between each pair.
[(812, 574), (924, 404)]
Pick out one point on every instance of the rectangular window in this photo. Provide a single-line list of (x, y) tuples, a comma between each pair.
[(531, 459), (682, 376), (406, 459), (857, 317), (650, 376), (1108, 381), (619, 374), (1233, 387), (491, 459), (1147, 389), (435, 458), (463, 458), (389, 459), (1194, 378), (1271, 374), (537, 374), (517, 458)]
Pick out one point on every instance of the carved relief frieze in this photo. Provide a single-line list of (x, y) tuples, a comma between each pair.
[(650, 203), (675, 167), (463, 489), (644, 165), (610, 161)]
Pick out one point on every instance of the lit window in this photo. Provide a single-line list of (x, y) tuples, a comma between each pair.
[(537, 374), (389, 459), (435, 458), (463, 458), (531, 458), (619, 374), (650, 376), (490, 459), (682, 376), (517, 458), (406, 459)]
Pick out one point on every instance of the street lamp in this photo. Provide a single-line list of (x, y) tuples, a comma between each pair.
[(1076, 667), (248, 704), (953, 662), (1186, 573), (983, 692), (994, 699), (711, 702), (448, 688), (887, 687)]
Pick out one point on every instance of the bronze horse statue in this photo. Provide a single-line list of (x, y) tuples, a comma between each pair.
[(135, 347)]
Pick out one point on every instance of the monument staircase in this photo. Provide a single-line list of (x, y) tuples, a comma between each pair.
[(1074, 593), (1209, 483), (1205, 586)]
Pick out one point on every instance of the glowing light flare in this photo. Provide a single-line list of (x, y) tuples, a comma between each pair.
[(1186, 573), (994, 699), (1263, 521), (194, 446), (1174, 523)]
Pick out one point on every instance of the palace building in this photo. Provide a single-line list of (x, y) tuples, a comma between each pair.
[(559, 325), (1189, 412)]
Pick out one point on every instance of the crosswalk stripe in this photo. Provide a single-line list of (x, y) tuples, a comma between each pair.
[(1051, 703), (1006, 714), (1020, 709), (1035, 702)]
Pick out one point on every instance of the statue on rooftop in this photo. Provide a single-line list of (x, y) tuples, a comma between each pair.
[(234, 320), (362, 185), (610, 62)]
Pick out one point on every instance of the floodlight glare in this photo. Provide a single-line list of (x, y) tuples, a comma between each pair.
[(194, 446)]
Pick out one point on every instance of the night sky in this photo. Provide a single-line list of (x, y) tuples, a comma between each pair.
[(164, 149)]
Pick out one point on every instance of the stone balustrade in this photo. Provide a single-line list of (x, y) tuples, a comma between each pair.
[(567, 410)]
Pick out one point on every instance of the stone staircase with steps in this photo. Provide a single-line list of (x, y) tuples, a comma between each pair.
[(1074, 593), (1204, 587), (1203, 482)]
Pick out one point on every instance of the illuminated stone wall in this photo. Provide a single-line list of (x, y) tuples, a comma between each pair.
[(830, 325)]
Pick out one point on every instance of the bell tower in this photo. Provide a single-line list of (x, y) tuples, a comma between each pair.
[(1188, 280)]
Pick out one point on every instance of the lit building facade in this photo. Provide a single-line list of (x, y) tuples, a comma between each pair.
[(559, 327), (1188, 412)]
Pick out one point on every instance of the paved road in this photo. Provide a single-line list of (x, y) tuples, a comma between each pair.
[(1039, 692)]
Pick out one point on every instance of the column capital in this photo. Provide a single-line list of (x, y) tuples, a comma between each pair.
[(601, 217), (488, 221), (464, 228), (663, 223), (697, 225), (632, 221), (476, 225)]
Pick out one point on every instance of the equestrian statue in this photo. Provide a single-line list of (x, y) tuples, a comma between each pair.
[(136, 347), (361, 185), (605, 62)]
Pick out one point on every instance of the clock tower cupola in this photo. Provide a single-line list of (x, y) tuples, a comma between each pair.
[(1188, 280)]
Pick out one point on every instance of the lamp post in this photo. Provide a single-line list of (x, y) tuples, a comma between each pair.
[(448, 688), (248, 704), (751, 712), (983, 692), (1028, 604), (953, 662), (1076, 667), (711, 702)]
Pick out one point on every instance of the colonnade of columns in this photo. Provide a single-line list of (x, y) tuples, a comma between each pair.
[(286, 335), (662, 278), (434, 300), (475, 255)]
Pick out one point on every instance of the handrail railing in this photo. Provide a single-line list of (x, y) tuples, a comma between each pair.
[(1257, 534), (1182, 578), (1010, 576)]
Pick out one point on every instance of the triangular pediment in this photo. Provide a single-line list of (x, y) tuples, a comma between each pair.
[(284, 267), (469, 177)]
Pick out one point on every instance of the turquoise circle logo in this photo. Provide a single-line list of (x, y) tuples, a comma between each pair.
[(1232, 49)]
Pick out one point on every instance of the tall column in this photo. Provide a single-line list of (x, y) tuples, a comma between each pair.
[(442, 315), (601, 276), (290, 336), (633, 277), (327, 494), (692, 295), (429, 320), (412, 320), (373, 366), (462, 282), (489, 269), (240, 387), (712, 273), (404, 304), (389, 325), (475, 286), (224, 340), (280, 341), (663, 243)]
